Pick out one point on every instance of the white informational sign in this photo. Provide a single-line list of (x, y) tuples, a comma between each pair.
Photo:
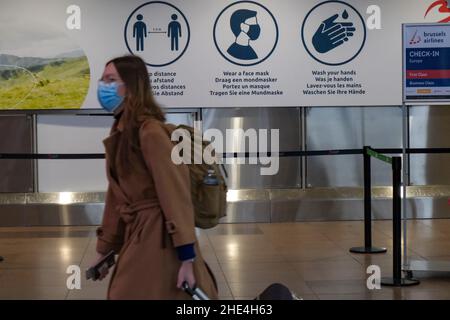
[(426, 50), (203, 53)]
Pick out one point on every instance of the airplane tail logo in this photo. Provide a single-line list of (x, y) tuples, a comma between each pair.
[(415, 39)]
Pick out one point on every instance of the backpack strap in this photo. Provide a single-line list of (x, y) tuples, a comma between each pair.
[(169, 128)]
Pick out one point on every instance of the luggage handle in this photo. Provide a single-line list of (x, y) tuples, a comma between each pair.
[(196, 293)]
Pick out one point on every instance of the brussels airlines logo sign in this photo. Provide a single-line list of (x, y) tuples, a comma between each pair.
[(427, 38), (443, 8)]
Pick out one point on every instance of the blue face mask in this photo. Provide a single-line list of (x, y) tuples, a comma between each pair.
[(108, 95), (254, 32)]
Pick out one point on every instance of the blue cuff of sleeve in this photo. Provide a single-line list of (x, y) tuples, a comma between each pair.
[(186, 252)]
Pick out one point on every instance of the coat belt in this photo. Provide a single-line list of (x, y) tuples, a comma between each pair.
[(128, 211)]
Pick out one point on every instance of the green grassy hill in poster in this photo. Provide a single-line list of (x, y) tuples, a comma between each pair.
[(55, 84)]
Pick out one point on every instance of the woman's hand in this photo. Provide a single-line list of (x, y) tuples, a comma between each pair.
[(104, 271), (186, 273)]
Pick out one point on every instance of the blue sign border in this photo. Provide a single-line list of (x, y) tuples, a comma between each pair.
[(420, 99)]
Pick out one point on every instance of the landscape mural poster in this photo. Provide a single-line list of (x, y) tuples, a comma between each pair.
[(41, 65)]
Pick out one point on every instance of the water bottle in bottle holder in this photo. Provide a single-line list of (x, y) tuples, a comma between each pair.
[(211, 179)]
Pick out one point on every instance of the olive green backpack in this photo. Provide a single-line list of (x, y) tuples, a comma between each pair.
[(209, 200)]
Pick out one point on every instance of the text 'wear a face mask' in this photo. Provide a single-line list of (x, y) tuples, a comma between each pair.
[(108, 95)]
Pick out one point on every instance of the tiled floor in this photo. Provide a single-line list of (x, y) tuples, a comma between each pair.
[(311, 258)]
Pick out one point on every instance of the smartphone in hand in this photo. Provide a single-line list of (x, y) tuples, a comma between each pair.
[(107, 262)]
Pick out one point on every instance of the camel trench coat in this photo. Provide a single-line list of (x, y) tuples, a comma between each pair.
[(148, 213)]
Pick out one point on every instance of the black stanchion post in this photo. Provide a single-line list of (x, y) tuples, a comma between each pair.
[(397, 280), (367, 209), (396, 220), (367, 199)]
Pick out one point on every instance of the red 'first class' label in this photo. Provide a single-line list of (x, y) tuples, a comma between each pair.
[(428, 74)]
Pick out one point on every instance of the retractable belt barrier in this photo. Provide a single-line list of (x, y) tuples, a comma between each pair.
[(368, 248), (51, 156), (281, 154), (396, 164), (397, 280), (367, 153)]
